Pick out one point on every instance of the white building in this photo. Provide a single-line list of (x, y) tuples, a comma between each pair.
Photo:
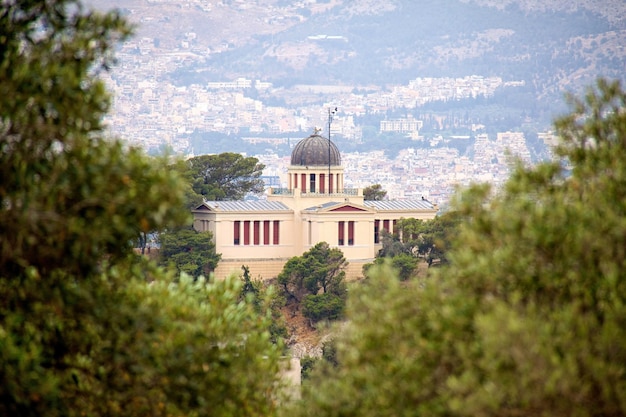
[(315, 207)]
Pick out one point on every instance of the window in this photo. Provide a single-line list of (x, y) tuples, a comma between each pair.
[(312, 181), (303, 183), (237, 225), (386, 225), (257, 232), (351, 233), (276, 232), (340, 233), (322, 183), (246, 232), (266, 232), (376, 231)]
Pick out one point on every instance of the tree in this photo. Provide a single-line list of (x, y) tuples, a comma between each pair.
[(189, 251), (321, 268), (527, 318), (405, 265), (311, 363), (226, 176), (82, 331), (192, 198), (316, 279), (434, 238), (414, 241), (265, 300), (374, 192)]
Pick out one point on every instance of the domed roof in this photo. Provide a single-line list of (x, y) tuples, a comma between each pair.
[(315, 151)]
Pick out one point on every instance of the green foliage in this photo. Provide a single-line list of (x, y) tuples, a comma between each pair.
[(82, 332), (404, 264), (528, 317), (250, 289), (328, 359), (321, 268), (307, 364), (325, 306), (437, 237), (192, 199), (430, 239), (374, 192), (188, 250), (414, 240), (390, 355), (59, 179), (316, 280), (266, 300), (182, 348), (226, 176)]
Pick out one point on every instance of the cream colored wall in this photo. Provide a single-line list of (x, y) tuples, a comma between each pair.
[(222, 226), (264, 269), (270, 268), (325, 229)]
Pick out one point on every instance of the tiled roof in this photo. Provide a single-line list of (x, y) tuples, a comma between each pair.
[(259, 205), (394, 205)]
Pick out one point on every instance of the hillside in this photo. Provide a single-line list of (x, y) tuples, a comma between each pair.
[(552, 45)]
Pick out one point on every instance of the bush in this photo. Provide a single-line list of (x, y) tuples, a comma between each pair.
[(322, 307)]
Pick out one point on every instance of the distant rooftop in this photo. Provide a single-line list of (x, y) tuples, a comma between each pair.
[(260, 205), (389, 205)]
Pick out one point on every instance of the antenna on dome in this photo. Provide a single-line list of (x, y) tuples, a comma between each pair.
[(331, 113)]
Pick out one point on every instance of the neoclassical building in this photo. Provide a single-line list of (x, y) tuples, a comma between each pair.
[(315, 207)]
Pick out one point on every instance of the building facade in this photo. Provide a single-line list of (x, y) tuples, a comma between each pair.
[(315, 207)]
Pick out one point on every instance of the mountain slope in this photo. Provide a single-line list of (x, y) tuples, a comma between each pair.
[(551, 45)]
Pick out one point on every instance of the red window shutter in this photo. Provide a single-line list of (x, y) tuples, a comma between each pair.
[(276, 232), (237, 225), (350, 233), (257, 232), (246, 232), (266, 232), (340, 233)]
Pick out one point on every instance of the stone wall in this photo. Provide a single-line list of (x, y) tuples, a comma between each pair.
[(270, 268)]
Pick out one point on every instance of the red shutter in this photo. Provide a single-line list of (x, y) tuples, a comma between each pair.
[(266, 232), (340, 233), (246, 232), (257, 232), (350, 233), (237, 225), (276, 232)]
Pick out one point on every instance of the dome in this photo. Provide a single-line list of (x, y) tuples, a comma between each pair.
[(315, 151)]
